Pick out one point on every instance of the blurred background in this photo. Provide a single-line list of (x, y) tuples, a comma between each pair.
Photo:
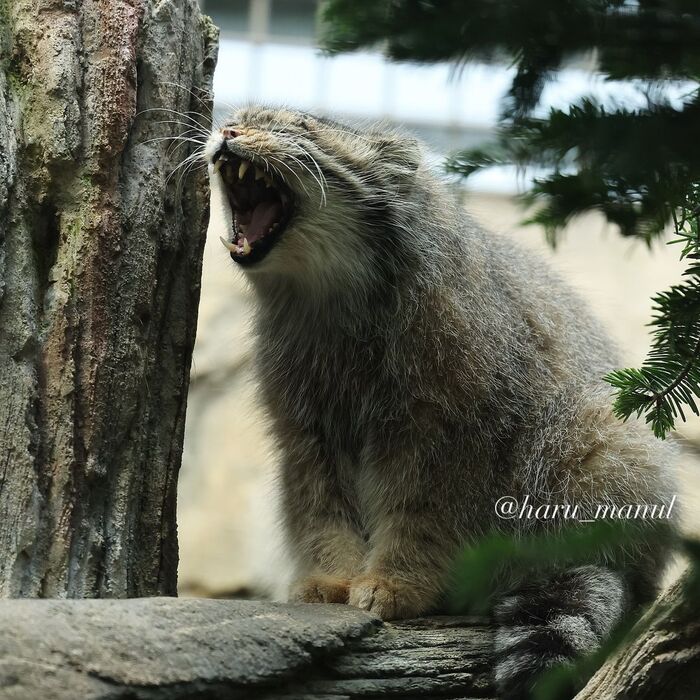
[(229, 539)]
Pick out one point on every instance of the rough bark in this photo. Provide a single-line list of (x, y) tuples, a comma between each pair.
[(445, 657), (100, 259), (662, 661), (169, 648)]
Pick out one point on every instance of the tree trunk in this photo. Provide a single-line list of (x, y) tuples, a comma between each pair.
[(100, 260), (662, 661)]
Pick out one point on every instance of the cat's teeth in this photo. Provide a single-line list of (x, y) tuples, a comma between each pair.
[(232, 247), (217, 165), (268, 181), (259, 173), (246, 246), (245, 164)]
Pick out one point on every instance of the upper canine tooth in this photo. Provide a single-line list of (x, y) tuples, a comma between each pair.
[(268, 181), (217, 165), (245, 164), (246, 246), (258, 173)]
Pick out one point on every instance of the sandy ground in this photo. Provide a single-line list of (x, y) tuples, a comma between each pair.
[(229, 539)]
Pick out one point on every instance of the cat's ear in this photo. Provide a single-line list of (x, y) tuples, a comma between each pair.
[(401, 154)]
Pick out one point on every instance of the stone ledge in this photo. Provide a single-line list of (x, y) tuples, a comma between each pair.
[(163, 648)]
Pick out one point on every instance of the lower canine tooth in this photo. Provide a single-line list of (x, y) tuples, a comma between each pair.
[(229, 246), (245, 164), (246, 246)]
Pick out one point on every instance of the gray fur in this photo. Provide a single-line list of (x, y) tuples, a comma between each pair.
[(553, 620), (415, 368)]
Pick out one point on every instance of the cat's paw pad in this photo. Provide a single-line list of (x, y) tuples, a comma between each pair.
[(320, 589), (387, 598)]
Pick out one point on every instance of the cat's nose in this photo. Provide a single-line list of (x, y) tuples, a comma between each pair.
[(230, 133)]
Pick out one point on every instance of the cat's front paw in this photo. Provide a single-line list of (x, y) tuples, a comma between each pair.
[(388, 598), (320, 589)]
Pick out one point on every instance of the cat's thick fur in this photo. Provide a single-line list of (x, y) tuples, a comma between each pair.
[(415, 369)]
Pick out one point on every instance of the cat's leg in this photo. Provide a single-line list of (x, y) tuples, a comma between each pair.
[(320, 525), (415, 515)]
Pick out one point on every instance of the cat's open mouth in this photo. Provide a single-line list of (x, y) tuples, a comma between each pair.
[(261, 206)]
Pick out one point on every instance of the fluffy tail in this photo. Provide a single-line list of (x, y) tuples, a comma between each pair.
[(552, 622)]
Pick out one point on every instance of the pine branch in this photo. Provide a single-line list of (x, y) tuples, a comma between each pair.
[(684, 374), (651, 39), (669, 379), (634, 166)]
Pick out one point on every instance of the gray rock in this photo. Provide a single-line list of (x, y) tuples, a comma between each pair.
[(159, 648)]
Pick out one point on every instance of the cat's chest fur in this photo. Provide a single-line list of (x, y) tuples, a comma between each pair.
[(331, 383)]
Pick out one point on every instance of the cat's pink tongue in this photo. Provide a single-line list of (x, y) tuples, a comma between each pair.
[(264, 215)]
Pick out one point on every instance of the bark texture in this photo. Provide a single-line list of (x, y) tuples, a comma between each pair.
[(100, 260), (662, 662)]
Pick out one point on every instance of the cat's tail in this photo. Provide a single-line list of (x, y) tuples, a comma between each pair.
[(554, 621)]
